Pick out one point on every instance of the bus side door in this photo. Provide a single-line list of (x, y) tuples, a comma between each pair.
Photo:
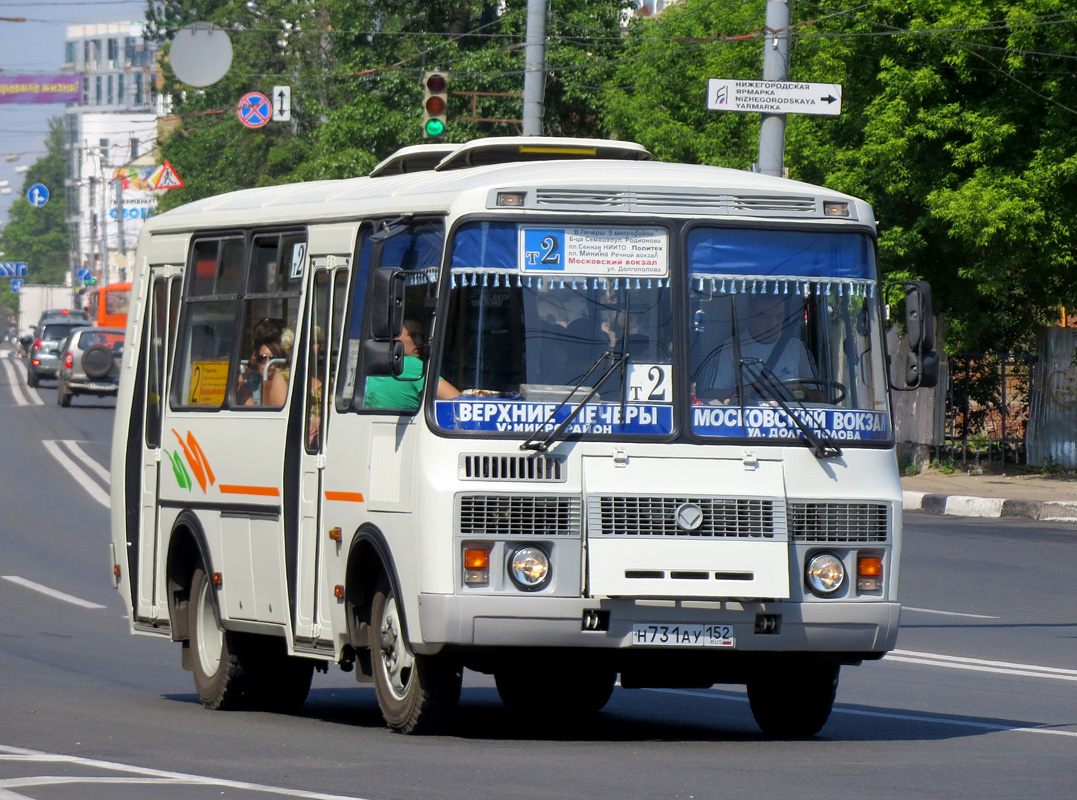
[(313, 622), (160, 333)]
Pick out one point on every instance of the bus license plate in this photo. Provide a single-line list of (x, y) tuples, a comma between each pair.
[(684, 635)]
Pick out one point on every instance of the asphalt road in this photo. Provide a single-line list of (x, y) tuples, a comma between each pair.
[(980, 701)]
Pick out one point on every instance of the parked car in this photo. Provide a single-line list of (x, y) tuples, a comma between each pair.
[(44, 360), (89, 363)]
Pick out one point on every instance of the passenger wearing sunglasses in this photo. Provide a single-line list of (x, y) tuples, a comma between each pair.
[(262, 381)]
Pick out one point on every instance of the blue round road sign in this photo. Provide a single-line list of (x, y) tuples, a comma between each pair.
[(254, 110), (38, 195)]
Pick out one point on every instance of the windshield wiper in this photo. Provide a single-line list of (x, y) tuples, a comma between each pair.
[(544, 445), (822, 446)]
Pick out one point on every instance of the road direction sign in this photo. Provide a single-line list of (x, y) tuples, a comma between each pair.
[(13, 269), (84, 274), (254, 109), (774, 97), (282, 103), (38, 195), (16, 284)]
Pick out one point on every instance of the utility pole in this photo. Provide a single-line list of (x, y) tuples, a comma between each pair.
[(534, 67), (775, 68), (122, 241)]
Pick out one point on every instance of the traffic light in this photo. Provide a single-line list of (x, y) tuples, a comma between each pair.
[(435, 103), (91, 281)]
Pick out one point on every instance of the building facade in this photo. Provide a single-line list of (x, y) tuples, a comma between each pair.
[(110, 139)]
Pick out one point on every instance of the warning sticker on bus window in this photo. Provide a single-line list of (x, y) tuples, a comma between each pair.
[(613, 252), (209, 379)]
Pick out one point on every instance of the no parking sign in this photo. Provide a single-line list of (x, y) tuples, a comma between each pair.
[(254, 109)]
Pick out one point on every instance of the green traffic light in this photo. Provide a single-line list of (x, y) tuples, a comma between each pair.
[(435, 127)]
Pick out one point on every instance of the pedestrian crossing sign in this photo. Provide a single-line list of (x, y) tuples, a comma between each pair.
[(168, 178)]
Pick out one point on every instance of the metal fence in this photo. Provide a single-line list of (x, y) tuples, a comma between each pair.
[(987, 406)]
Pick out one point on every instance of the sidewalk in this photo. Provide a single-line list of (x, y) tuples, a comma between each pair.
[(1050, 498)]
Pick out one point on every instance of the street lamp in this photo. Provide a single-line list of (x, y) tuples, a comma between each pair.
[(22, 168)]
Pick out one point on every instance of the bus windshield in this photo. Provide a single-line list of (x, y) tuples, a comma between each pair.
[(539, 314), (779, 318), (777, 324)]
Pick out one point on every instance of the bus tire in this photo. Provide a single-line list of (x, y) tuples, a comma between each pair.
[(573, 695), (282, 681), (795, 702), (222, 660), (416, 693)]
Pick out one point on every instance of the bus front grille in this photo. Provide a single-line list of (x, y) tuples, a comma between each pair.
[(838, 522), (518, 515), (636, 516)]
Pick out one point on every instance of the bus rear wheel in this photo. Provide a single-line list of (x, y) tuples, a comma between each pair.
[(794, 702), (416, 693), (222, 664)]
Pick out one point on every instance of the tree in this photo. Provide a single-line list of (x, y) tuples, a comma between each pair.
[(38, 235), (957, 125), (356, 68)]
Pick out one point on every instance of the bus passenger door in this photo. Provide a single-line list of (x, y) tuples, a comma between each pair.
[(160, 333), (313, 625)]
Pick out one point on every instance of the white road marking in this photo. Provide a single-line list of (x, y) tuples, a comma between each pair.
[(938, 720), (161, 777), (84, 457), (55, 593), (19, 389), (982, 665), (84, 480), (947, 613)]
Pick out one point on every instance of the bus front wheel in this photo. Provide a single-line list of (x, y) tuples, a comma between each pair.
[(794, 702), (416, 693)]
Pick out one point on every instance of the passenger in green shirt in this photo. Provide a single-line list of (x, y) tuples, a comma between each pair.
[(405, 390)]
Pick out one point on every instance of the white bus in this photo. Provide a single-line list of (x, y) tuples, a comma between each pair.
[(508, 406)]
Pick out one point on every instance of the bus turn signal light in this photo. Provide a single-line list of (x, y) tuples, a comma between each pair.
[(869, 574), (476, 566)]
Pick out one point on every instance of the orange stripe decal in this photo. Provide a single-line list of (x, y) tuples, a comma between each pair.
[(259, 491), (347, 497)]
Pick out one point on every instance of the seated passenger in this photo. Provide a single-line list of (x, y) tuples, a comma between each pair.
[(261, 382), (406, 389)]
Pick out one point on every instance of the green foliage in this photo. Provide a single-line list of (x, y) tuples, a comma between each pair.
[(957, 120), (957, 125), (38, 235), (946, 466)]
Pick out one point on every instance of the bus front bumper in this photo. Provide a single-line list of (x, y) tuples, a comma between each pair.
[(759, 626)]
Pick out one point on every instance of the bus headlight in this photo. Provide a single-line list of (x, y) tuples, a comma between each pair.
[(824, 574), (529, 568)]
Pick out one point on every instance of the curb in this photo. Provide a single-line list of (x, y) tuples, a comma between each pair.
[(967, 506)]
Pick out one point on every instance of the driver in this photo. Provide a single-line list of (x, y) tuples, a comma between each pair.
[(769, 338)]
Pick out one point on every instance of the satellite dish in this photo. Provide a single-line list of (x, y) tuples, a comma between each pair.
[(201, 54)]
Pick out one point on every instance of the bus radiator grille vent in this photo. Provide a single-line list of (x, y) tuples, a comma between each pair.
[(518, 515), (715, 202), (839, 522), (770, 205), (637, 516), (542, 468)]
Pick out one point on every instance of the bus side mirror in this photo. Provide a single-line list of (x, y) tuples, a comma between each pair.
[(918, 317), (383, 358), (922, 363), (387, 304), (922, 369)]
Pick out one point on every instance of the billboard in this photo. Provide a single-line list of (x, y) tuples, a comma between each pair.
[(40, 88)]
